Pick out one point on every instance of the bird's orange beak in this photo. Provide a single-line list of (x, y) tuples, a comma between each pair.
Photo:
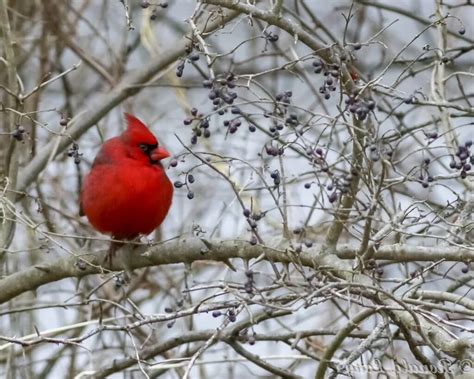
[(159, 153)]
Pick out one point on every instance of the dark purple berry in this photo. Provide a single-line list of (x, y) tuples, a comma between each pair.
[(194, 57), (333, 197), (173, 162)]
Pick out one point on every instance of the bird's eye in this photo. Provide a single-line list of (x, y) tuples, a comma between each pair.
[(147, 148)]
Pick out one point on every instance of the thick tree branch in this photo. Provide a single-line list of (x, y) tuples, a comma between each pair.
[(192, 250)]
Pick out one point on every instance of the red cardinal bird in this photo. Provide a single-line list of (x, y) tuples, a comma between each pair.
[(127, 192)]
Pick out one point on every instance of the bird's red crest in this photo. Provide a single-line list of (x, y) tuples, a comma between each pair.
[(137, 132)]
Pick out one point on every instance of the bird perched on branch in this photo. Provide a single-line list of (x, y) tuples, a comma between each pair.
[(127, 193)]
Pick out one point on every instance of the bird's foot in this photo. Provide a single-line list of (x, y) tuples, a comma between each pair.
[(114, 246)]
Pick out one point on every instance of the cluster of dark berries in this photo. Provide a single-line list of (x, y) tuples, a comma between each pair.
[(300, 233), (273, 151), (283, 100), (201, 125), (19, 132), (331, 72), (252, 219), (318, 151), (284, 97), (232, 125), (463, 159), (317, 158), (179, 304), (375, 152), (275, 128), (231, 315), (220, 91), (248, 286), (73, 152), (189, 180), (292, 120), (425, 178), (192, 56), (360, 107), (338, 187)]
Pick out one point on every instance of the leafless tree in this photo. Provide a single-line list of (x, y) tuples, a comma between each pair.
[(322, 223)]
